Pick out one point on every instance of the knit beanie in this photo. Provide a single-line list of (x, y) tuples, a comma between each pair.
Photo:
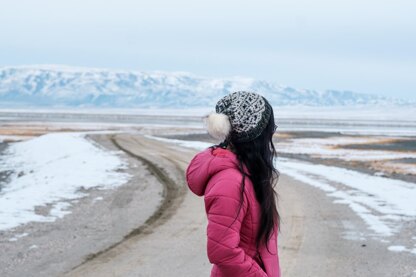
[(240, 116)]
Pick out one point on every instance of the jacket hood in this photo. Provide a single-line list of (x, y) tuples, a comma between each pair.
[(206, 164)]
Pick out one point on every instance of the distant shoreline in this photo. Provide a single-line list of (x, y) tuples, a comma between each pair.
[(400, 123)]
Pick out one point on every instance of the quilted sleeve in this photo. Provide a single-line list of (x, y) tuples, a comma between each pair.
[(222, 203)]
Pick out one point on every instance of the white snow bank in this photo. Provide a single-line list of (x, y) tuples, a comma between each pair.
[(50, 169), (391, 196), (401, 248), (381, 202)]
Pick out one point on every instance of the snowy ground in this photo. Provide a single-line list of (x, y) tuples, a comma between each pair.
[(52, 172), (387, 206), (48, 171), (338, 147)]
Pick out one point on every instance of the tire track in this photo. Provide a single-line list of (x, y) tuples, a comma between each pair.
[(172, 197)]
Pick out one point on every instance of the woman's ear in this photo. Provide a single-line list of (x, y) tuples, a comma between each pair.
[(218, 125)]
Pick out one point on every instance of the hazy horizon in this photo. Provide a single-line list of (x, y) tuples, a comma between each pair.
[(361, 47)]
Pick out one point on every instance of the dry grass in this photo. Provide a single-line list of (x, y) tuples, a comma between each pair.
[(33, 130)]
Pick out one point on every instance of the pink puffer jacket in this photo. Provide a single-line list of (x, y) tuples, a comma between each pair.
[(231, 243)]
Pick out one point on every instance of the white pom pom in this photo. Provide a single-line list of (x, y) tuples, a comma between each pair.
[(218, 125)]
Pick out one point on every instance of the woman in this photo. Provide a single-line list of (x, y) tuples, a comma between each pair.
[(236, 178)]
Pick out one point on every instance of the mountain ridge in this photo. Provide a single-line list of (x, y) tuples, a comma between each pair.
[(68, 86)]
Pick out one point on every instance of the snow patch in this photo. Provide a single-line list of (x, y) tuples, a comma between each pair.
[(401, 248), (382, 203), (397, 248), (99, 198), (18, 236), (50, 170)]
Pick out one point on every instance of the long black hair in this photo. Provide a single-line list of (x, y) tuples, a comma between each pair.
[(257, 155)]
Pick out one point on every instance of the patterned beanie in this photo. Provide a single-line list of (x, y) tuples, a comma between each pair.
[(241, 116)]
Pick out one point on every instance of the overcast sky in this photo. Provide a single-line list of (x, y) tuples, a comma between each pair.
[(361, 45)]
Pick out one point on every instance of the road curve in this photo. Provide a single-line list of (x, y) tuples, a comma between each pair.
[(173, 242)]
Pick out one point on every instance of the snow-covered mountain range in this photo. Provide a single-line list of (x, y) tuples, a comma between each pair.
[(62, 86)]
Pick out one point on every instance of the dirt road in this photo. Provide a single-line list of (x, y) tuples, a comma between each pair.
[(311, 243)]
